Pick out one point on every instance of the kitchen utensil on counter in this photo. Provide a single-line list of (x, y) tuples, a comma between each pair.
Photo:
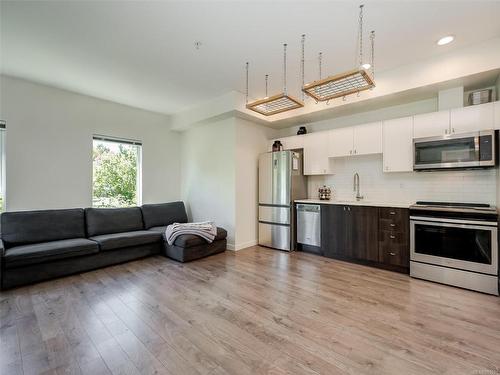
[(325, 193)]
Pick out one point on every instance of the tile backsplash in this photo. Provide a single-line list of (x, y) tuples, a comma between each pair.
[(475, 186)]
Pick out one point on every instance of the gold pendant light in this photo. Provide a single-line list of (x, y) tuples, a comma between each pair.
[(349, 82), (275, 104)]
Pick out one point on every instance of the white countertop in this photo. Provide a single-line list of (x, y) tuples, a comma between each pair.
[(356, 203)]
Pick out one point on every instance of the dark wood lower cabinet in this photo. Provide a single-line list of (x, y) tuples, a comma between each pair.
[(365, 232), (378, 236), (334, 237), (394, 238)]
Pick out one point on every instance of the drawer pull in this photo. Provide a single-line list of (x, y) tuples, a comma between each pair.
[(393, 237), (392, 213), (393, 225), (392, 253)]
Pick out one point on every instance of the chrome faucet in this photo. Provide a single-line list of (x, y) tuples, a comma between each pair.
[(356, 187)]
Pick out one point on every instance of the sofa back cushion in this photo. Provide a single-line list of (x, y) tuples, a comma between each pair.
[(113, 220), (157, 215), (27, 227)]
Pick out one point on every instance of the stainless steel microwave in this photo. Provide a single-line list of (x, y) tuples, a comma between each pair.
[(456, 151)]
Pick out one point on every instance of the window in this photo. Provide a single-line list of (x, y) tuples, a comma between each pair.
[(2, 165), (116, 172)]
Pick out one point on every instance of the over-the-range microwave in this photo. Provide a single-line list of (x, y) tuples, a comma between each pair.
[(456, 151)]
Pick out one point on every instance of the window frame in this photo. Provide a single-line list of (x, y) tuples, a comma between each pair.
[(3, 166), (126, 141)]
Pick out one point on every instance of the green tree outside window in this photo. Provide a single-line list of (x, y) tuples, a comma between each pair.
[(115, 174)]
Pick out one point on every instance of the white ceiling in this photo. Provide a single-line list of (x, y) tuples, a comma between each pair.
[(142, 53)]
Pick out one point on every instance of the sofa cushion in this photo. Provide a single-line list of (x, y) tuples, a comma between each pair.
[(113, 220), (126, 239), (156, 215), (26, 227), (48, 251), (221, 235), (160, 229), (190, 240), (186, 254)]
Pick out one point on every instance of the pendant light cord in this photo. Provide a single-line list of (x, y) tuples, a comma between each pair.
[(320, 60), (303, 65), (372, 42), (246, 91), (267, 78), (360, 41), (284, 68)]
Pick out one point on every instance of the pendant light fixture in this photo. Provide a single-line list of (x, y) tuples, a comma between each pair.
[(277, 103), (350, 82)]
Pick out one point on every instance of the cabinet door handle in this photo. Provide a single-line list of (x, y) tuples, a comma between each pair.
[(392, 253), (393, 225), (392, 213), (350, 152), (355, 151), (344, 208), (393, 237), (445, 131), (453, 130)]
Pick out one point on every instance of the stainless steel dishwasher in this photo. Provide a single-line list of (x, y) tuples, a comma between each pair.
[(309, 224)]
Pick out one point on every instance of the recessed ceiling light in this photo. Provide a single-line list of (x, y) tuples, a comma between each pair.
[(366, 66), (445, 40)]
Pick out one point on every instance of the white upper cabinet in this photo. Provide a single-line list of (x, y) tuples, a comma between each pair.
[(496, 111), (398, 145), (431, 124), (367, 139), (293, 142), (472, 118), (341, 142), (316, 154), (289, 143)]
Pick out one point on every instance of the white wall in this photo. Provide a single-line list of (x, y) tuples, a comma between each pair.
[(403, 110), (251, 141), (498, 88), (208, 174), (219, 175), (477, 186), (451, 98), (49, 146)]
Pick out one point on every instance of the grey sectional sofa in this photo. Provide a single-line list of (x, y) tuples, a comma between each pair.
[(41, 245)]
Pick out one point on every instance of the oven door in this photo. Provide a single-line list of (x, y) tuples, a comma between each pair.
[(460, 244), (450, 151)]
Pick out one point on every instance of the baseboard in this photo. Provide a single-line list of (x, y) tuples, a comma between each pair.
[(241, 246)]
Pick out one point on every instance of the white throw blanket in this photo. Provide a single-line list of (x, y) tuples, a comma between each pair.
[(206, 230)]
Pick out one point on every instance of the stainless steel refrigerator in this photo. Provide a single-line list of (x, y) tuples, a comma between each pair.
[(281, 181)]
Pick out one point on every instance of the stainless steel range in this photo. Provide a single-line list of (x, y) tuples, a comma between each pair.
[(455, 244)]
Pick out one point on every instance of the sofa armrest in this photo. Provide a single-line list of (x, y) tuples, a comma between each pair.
[(2, 253)]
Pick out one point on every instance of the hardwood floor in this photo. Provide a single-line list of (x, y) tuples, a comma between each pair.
[(254, 312)]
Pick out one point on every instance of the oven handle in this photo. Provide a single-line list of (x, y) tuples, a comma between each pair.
[(459, 223)]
